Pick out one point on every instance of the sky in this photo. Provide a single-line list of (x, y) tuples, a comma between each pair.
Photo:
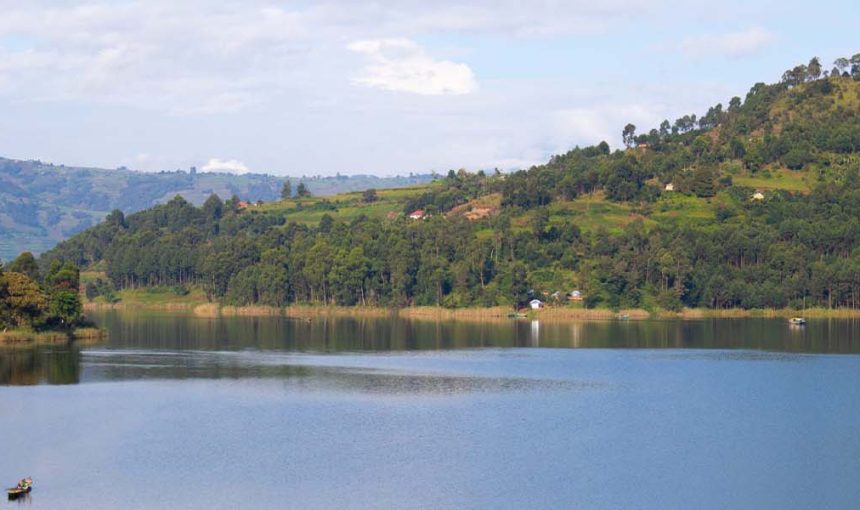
[(383, 87)]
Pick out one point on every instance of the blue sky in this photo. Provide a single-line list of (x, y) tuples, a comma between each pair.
[(307, 88)]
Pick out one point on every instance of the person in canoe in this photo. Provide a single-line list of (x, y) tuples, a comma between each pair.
[(21, 490)]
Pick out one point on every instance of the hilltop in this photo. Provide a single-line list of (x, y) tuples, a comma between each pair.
[(42, 203), (753, 205)]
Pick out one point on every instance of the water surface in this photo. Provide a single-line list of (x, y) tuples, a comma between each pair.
[(182, 412)]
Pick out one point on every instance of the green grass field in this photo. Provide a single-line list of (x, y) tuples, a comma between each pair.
[(781, 179), (594, 211), (345, 206)]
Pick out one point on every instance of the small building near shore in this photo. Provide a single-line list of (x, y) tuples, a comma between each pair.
[(535, 304)]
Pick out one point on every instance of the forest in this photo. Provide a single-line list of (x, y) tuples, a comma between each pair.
[(751, 205)]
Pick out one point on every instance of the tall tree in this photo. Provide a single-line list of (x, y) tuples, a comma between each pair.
[(813, 69), (628, 134), (286, 190)]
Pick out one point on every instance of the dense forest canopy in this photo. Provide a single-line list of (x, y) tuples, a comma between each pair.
[(755, 204)]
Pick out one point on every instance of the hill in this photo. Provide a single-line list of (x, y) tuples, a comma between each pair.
[(42, 204), (756, 205)]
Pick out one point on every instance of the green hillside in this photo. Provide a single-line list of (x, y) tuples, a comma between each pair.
[(753, 205), (42, 204)]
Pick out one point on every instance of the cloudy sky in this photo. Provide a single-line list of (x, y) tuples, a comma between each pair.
[(384, 87)]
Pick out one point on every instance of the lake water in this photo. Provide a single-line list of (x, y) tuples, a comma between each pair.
[(181, 412)]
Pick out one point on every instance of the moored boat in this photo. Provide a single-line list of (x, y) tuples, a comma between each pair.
[(797, 321)]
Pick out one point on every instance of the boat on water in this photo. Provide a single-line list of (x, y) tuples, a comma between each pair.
[(23, 487), (797, 321)]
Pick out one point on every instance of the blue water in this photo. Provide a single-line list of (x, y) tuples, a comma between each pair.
[(491, 428)]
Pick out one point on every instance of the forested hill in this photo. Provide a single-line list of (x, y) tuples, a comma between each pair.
[(42, 204), (755, 204)]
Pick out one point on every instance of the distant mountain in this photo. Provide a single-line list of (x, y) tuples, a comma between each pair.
[(42, 203)]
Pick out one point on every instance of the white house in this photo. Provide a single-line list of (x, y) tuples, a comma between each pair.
[(575, 296), (758, 195), (670, 187), (536, 304)]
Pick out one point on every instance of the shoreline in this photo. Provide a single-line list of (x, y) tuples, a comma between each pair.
[(17, 338), (561, 314)]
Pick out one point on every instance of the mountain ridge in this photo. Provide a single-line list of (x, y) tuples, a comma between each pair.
[(43, 203)]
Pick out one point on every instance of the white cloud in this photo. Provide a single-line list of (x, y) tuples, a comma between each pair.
[(732, 44), (231, 166), (403, 66)]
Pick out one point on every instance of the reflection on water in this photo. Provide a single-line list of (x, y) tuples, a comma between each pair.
[(341, 374), (40, 365), (181, 332), (177, 346)]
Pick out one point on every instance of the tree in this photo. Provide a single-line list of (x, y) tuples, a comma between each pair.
[(516, 285), (628, 134), (25, 264), (213, 208), (369, 196), (703, 183), (813, 69), (603, 147), (116, 218), (286, 190), (734, 104), (302, 191), (841, 64), (23, 299), (855, 66), (64, 302)]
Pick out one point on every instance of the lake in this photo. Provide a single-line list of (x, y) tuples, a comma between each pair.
[(175, 411)]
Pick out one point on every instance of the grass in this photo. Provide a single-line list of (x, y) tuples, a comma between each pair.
[(152, 297), (25, 337), (346, 206), (782, 179), (592, 212), (677, 208)]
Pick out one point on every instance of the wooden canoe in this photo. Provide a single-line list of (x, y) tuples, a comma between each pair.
[(17, 492)]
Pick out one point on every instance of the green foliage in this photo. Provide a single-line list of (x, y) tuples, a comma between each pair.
[(369, 196), (26, 303), (302, 190), (25, 264)]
